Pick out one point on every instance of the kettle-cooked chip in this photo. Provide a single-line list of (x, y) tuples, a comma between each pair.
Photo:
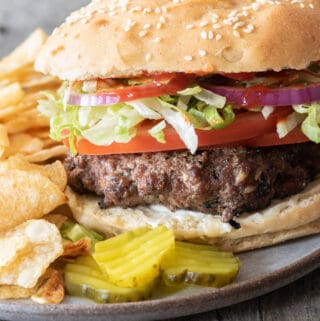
[(25, 144), (51, 289), (41, 244), (71, 250), (15, 292), (23, 55), (26, 195), (54, 171)]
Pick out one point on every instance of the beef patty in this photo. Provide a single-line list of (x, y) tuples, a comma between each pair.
[(223, 181)]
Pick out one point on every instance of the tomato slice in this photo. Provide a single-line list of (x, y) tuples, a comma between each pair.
[(247, 125), (272, 139), (159, 85), (240, 75)]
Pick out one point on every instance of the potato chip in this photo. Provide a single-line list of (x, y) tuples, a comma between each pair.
[(15, 111), (25, 144), (38, 81), (26, 122), (51, 288), (47, 143), (4, 140), (25, 54), (15, 292), (42, 133), (26, 195), (46, 154), (54, 171), (12, 247), (41, 245), (11, 95), (73, 250)]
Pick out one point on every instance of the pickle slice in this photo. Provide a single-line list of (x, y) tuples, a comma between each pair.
[(133, 259), (199, 264), (83, 278)]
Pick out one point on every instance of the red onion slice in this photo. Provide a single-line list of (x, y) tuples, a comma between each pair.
[(263, 96), (87, 100)]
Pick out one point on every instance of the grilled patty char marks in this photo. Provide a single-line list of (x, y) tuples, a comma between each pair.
[(223, 181)]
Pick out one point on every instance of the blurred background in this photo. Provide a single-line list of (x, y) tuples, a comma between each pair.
[(18, 18)]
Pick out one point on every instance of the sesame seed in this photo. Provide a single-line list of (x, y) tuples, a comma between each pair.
[(147, 26), (311, 6), (136, 8), (157, 10), (187, 58), (232, 13), (203, 23), (162, 19), (218, 37), (157, 39), (210, 34), (227, 22), (214, 16), (255, 6), (238, 24), (147, 10), (301, 5), (236, 33), (202, 53), (189, 26), (159, 25), (204, 35), (216, 26), (248, 29), (148, 56), (143, 33)]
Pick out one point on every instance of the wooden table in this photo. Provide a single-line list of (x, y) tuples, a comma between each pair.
[(296, 302)]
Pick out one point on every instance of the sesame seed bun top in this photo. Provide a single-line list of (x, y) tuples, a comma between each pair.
[(123, 38)]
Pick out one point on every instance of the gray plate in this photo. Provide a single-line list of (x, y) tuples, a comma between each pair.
[(262, 271)]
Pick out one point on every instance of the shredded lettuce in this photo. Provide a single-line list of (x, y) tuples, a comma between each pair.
[(145, 108), (157, 132), (190, 91), (181, 123), (187, 110), (285, 126), (219, 118), (311, 124), (267, 111), (211, 98)]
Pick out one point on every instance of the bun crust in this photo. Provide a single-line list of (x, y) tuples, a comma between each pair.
[(120, 39), (285, 219)]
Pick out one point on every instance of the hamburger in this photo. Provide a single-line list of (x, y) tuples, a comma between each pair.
[(199, 115)]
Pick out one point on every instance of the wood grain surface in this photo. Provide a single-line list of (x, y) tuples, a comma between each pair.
[(299, 301)]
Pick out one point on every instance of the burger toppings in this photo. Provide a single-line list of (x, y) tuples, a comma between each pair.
[(223, 181), (114, 111)]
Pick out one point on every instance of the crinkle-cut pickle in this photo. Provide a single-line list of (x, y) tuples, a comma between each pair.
[(200, 265), (133, 259), (83, 278)]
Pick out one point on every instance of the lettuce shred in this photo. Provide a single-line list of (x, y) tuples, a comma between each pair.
[(311, 124), (190, 109)]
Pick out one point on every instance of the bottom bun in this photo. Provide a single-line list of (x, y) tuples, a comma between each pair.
[(285, 219)]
